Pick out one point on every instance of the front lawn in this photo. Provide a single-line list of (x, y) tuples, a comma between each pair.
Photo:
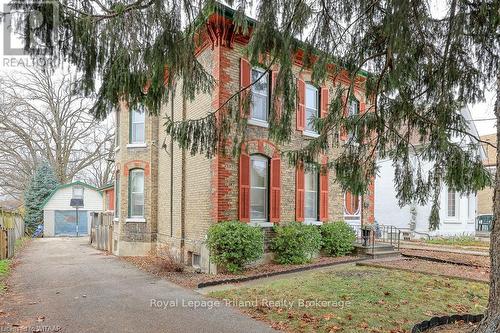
[(4, 270), (458, 241), (356, 299)]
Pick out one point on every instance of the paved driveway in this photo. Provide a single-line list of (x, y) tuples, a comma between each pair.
[(78, 289)]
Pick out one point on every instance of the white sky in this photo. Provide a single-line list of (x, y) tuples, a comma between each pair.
[(12, 64)]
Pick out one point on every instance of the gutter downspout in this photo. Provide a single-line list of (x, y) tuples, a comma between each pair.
[(172, 169), (183, 190)]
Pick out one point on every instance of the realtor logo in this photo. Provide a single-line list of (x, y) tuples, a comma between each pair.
[(18, 18)]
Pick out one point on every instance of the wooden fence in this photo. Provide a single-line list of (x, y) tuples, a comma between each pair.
[(101, 231), (11, 229)]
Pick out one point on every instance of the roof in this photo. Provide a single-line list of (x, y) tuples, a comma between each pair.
[(229, 13), (106, 187), (60, 187)]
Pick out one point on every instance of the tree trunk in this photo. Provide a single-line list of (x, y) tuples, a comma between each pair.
[(491, 322)]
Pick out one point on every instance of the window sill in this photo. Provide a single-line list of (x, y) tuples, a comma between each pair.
[(135, 219), (262, 224), (116, 219), (452, 221), (137, 145), (313, 222), (257, 122), (310, 134)]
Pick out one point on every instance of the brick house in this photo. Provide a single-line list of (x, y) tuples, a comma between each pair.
[(168, 197)]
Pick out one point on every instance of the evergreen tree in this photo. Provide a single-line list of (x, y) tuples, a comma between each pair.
[(423, 68), (41, 186)]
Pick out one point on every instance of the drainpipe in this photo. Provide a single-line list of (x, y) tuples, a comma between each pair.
[(183, 189), (172, 169)]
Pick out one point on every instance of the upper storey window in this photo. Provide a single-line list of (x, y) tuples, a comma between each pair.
[(260, 95), (137, 125)]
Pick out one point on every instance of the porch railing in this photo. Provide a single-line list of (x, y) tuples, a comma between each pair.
[(380, 234)]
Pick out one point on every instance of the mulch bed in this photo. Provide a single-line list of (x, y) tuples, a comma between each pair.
[(464, 259), (190, 279), (481, 274)]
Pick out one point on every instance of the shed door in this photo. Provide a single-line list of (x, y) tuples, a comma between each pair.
[(65, 222)]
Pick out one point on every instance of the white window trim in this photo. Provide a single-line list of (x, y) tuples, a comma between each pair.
[(310, 132), (116, 219), (137, 145), (452, 219), (312, 222), (316, 173), (260, 122), (257, 223), (266, 213), (135, 219), (132, 123)]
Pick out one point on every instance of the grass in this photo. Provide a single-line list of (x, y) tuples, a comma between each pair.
[(21, 243), (458, 241), (4, 270), (360, 299)]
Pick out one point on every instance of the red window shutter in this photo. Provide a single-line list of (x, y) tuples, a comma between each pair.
[(274, 79), (244, 185), (325, 99), (362, 108), (323, 193), (343, 132), (299, 193), (245, 81), (301, 104), (275, 208)]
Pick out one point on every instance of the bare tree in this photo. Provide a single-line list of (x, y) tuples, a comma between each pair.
[(43, 119)]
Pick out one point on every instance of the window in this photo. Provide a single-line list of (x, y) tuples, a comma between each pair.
[(117, 195), (77, 192), (312, 102), (311, 200), (137, 129), (136, 193), (260, 95), (452, 203), (259, 188), (353, 111), (471, 206)]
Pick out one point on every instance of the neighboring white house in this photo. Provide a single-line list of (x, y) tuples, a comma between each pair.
[(457, 212), (60, 217)]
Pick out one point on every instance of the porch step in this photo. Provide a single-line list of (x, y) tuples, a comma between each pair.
[(384, 254), (360, 249), (377, 251)]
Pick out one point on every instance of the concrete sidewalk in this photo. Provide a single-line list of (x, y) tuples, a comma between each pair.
[(70, 287)]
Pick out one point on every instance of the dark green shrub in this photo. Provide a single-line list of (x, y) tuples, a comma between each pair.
[(338, 238), (234, 244), (295, 243)]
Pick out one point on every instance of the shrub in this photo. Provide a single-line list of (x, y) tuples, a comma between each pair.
[(338, 238), (234, 244), (295, 243)]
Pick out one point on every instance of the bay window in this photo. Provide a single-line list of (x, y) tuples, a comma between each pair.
[(137, 125), (136, 193)]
